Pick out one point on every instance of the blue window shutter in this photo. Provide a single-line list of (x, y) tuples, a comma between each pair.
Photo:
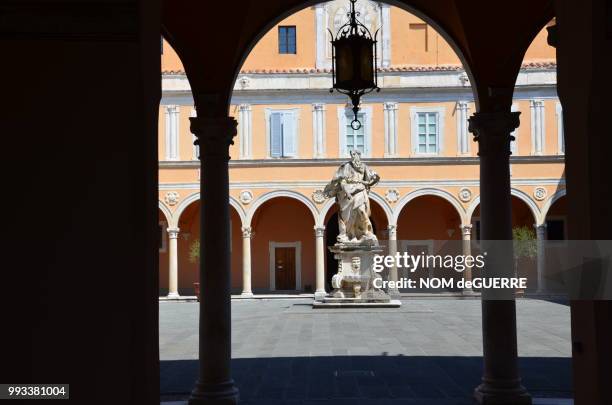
[(276, 147), (289, 135)]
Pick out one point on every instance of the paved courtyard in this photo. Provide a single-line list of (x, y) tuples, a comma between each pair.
[(427, 352)]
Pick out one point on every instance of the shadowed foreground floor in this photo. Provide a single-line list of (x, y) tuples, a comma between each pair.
[(427, 352)]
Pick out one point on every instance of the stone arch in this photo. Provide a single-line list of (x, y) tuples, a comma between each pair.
[(521, 195), (549, 203), (196, 197), (432, 192), (167, 213), (280, 193)]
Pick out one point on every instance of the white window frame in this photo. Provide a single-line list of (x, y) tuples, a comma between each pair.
[(414, 133), (298, 262), (560, 129), (297, 119), (343, 112)]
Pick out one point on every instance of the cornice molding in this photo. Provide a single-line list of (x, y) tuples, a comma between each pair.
[(400, 184), (409, 161)]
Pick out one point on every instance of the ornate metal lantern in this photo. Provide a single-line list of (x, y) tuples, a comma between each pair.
[(354, 70)]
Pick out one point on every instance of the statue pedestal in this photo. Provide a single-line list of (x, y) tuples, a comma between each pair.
[(354, 284)]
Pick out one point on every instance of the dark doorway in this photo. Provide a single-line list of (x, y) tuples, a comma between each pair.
[(284, 268)]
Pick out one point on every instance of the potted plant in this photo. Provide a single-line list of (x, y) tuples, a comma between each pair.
[(525, 247), (194, 257)]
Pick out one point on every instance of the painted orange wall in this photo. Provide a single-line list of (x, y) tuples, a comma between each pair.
[(265, 54)]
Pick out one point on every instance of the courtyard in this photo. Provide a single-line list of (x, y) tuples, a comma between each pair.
[(429, 351)]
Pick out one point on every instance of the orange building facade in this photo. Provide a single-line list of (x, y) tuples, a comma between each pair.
[(293, 134)]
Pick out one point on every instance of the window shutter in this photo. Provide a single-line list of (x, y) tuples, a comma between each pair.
[(289, 138), (275, 135)]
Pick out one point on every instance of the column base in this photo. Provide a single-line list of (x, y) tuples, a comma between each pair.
[(246, 294), (320, 295), (214, 394), (468, 292), (173, 296), (487, 395)]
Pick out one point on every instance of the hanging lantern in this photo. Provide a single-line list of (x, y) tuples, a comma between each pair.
[(354, 70)]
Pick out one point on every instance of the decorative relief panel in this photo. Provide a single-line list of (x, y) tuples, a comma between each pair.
[(540, 193), (465, 194), (392, 195), (172, 198), (245, 197), (318, 197)]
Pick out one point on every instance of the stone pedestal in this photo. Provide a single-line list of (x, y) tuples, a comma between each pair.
[(354, 283)]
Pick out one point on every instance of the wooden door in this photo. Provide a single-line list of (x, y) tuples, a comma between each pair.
[(284, 268)]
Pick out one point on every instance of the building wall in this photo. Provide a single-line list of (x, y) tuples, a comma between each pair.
[(427, 196)]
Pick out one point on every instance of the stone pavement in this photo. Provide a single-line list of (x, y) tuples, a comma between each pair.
[(426, 352)]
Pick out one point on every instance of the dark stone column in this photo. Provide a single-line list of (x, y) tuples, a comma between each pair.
[(501, 383), (583, 38), (215, 384)]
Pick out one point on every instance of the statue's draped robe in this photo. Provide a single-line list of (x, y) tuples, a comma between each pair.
[(354, 212)]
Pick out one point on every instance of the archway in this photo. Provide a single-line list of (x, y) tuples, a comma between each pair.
[(187, 223), (283, 245), (428, 224), (525, 218)]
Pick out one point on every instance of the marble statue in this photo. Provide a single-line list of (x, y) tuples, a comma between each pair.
[(356, 246), (350, 187)]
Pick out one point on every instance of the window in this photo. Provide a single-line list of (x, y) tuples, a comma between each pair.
[(427, 132), (350, 139), (555, 229), (355, 139), (286, 39), (283, 134)]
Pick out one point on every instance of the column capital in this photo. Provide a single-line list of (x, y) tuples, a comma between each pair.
[(247, 232), (173, 233), (390, 105), (492, 131), (466, 229), (392, 229), (215, 135), (318, 106), (463, 105), (319, 230)]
